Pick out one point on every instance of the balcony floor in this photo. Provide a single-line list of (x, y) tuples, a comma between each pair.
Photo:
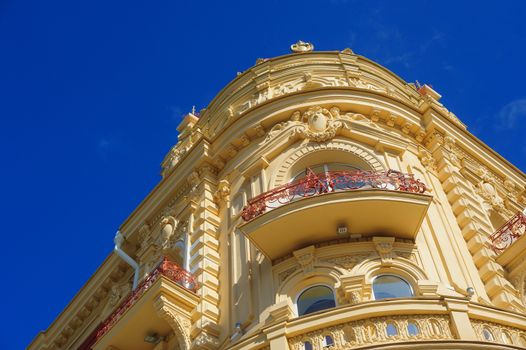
[(315, 219)]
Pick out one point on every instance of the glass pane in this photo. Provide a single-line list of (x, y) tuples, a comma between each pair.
[(315, 299), (412, 329), (307, 346), (388, 286)]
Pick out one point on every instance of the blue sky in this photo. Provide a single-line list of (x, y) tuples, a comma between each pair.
[(91, 93)]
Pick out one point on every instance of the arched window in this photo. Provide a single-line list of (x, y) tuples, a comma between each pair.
[(315, 299), (390, 286), (307, 345)]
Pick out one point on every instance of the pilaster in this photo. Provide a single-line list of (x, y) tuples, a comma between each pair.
[(204, 261), (473, 221)]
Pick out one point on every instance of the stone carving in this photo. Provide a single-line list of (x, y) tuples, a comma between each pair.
[(384, 247), (374, 331), (168, 224), (223, 192), (361, 84), (305, 258), (347, 261), (117, 292), (285, 274), (519, 282), (316, 124), (144, 237), (301, 46), (179, 323), (489, 194), (180, 149), (426, 158), (501, 333)]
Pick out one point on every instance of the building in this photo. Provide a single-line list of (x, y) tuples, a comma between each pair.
[(320, 201)]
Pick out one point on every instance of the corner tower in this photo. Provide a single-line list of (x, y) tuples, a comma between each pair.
[(319, 201)]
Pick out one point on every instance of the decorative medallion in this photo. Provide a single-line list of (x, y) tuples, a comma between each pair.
[(316, 124)]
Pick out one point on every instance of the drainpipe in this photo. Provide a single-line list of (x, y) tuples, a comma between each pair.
[(119, 238)]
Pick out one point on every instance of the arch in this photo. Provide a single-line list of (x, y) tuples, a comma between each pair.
[(307, 345), (336, 150), (179, 324), (412, 328), (391, 330), (298, 281), (397, 266), (315, 298)]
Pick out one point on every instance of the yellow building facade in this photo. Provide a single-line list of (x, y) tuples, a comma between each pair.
[(318, 202)]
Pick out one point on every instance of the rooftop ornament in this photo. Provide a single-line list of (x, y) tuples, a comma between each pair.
[(301, 46), (333, 181), (508, 233)]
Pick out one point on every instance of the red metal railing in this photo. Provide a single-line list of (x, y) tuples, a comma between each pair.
[(315, 184), (508, 233), (165, 268)]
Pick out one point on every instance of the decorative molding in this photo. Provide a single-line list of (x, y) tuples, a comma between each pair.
[(179, 323), (316, 124), (305, 258), (341, 146), (373, 331), (222, 195), (347, 262), (384, 247), (501, 333)]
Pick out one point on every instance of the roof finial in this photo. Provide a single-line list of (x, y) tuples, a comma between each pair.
[(302, 46), (193, 110)]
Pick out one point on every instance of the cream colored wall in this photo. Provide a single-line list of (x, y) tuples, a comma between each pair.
[(252, 138)]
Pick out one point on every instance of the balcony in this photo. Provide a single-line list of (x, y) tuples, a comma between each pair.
[(509, 241), (135, 317), (317, 207)]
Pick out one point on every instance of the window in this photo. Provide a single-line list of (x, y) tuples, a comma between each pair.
[(307, 345), (390, 286), (315, 299)]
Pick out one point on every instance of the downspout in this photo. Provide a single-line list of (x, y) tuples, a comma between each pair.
[(119, 238)]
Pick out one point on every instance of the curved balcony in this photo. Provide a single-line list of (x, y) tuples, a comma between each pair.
[(167, 279), (334, 205)]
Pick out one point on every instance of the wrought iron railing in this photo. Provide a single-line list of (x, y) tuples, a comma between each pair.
[(165, 268), (315, 184), (508, 233)]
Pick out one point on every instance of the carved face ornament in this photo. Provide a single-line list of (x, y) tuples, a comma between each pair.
[(317, 121)]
